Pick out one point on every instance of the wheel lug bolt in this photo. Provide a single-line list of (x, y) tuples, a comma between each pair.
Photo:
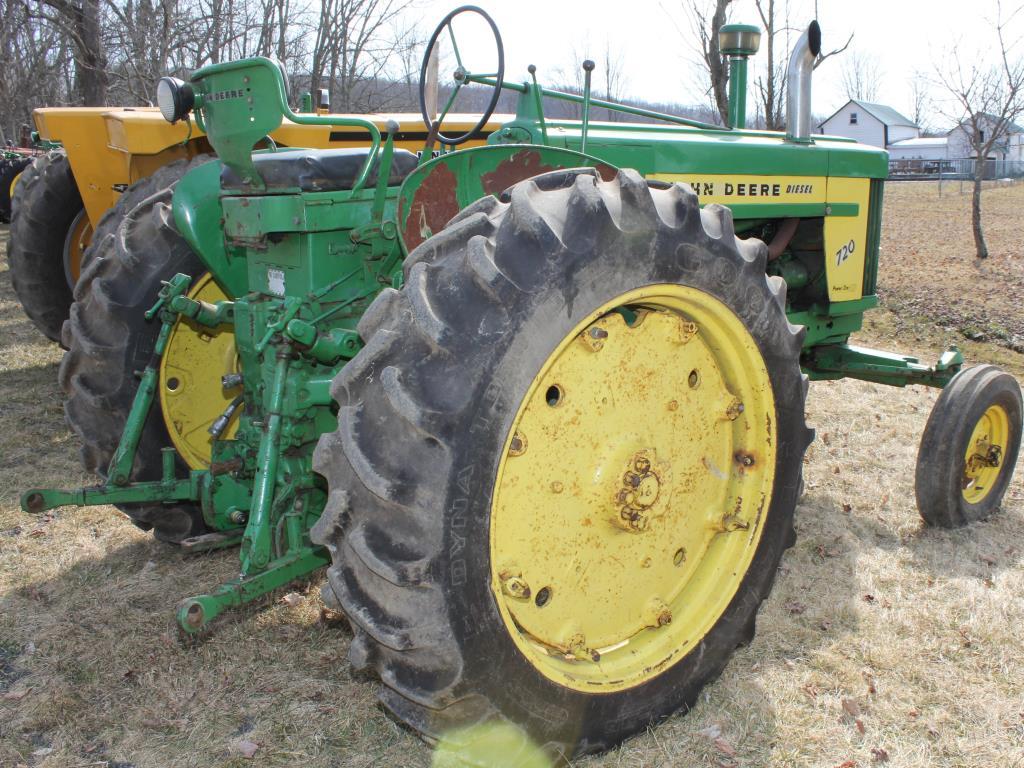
[(517, 447)]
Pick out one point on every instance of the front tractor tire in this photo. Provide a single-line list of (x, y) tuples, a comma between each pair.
[(48, 223), (566, 464), (109, 340), (969, 447)]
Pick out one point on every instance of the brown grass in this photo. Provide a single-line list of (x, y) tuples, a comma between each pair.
[(916, 630), (928, 263)]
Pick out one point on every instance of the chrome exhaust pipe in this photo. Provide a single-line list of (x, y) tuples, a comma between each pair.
[(798, 84)]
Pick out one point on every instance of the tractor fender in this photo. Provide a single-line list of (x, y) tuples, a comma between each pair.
[(439, 188), (197, 215)]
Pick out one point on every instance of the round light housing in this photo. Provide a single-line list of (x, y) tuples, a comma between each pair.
[(175, 98), (739, 39)]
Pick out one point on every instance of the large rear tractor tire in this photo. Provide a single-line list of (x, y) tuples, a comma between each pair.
[(566, 466), (46, 212), (109, 339), (969, 447)]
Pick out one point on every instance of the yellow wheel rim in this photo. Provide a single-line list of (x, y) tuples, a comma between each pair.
[(77, 240), (983, 459), (633, 489), (191, 396), (14, 183)]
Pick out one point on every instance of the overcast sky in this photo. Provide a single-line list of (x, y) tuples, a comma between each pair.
[(654, 42)]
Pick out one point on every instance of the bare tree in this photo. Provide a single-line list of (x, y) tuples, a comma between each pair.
[(35, 66), (990, 97), (777, 42), (861, 75), (615, 81), (706, 23), (609, 71), (825, 56), (82, 23), (771, 84), (354, 43), (920, 102)]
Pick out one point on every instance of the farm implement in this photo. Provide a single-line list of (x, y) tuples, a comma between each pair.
[(12, 163), (538, 405)]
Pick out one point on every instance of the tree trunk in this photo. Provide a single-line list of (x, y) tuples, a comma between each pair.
[(91, 72), (979, 236), (716, 65)]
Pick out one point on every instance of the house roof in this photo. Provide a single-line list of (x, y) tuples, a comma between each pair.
[(882, 113), (1014, 128), (921, 142)]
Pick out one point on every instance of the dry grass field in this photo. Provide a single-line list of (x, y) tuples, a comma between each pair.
[(883, 643)]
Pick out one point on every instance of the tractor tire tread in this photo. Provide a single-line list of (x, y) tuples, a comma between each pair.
[(134, 246), (405, 398), (943, 443), (42, 212)]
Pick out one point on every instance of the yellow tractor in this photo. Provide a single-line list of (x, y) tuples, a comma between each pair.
[(98, 154)]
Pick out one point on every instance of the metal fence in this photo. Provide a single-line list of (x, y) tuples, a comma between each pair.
[(963, 168)]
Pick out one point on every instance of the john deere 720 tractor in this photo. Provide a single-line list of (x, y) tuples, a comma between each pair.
[(537, 405)]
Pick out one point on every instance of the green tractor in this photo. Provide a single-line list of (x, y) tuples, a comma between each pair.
[(537, 405)]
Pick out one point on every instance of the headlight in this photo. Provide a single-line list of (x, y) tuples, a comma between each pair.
[(175, 98)]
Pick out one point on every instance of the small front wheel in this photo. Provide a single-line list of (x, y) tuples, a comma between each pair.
[(969, 447)]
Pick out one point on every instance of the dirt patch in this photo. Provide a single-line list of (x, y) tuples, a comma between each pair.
[(928, 266), (880, 638)]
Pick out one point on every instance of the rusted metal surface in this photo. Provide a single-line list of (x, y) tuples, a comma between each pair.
[(433, 205), (518, 445), (640, 488), (224, 467), (514, 586), (515, 168), (436, 191)]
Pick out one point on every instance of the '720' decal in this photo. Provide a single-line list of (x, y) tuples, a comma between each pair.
[(844, 253)]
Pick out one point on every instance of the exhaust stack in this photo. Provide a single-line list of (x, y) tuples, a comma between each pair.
[(798, 84)]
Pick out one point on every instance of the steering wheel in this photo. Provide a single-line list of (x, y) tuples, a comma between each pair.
[(461, 76)]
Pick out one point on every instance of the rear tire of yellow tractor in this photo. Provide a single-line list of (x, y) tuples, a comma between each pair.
[(969, 447), (43, 212), (565, 468), (108, 339)]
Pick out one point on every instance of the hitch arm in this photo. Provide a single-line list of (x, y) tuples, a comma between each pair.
[(118, 489), (124, 457), (36, 500)]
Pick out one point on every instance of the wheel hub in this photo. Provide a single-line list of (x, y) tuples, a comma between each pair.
[(640, 487), (75, 242), (984, 453), (629, 500), (191, 395)]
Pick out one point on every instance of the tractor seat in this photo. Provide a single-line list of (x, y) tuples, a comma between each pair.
[(320, 170)]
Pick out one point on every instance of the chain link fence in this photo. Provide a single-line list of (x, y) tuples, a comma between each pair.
[(963, 168)]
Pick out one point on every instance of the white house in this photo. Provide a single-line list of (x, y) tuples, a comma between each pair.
[(874, 124), (921, 148), (1009, 147)]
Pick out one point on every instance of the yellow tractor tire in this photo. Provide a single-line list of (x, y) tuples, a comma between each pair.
[(969, 447), (108, 339), (45, 210), (566, 465)]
